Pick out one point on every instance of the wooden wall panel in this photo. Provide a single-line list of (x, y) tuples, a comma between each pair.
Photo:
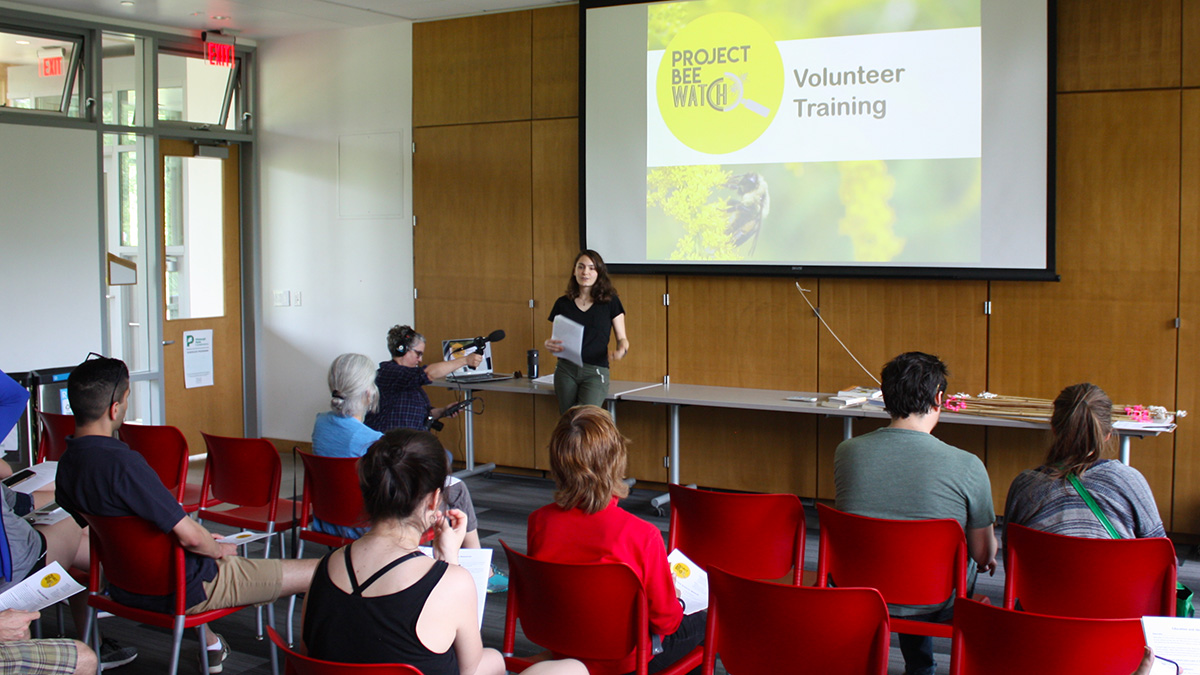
[(646, 325), (881, 319), (748, 450), (555, 221), (1110, 319), (472, 200), (556, 61), (475, 69), (1186, 510), (1191, 43), (1117, 44), (741, 332)]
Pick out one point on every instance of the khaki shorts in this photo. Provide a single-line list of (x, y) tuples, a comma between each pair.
[(38, 657), (240, 582)]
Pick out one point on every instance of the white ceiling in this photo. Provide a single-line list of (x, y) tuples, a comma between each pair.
[(262, 19)]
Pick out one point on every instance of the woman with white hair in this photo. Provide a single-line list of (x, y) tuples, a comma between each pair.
[(341, 432)]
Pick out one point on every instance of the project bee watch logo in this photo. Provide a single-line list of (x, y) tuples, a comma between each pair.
[(720, 83)]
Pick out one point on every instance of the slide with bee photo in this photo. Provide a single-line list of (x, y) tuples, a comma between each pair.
[(817, 135)]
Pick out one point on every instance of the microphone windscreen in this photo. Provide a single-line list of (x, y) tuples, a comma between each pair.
[(495, 336)]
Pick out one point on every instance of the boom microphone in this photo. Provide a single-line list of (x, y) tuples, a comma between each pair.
[(479, 342)]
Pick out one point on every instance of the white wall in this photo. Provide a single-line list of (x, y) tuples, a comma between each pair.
[(355, 275), (50, 242)]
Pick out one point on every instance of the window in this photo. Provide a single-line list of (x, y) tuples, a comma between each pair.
[(40, 72)]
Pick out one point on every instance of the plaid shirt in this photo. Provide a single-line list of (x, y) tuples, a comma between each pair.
[(402, 402)]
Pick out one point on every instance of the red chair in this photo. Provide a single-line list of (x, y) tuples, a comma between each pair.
[(140, 558), (299, 664), (761, 627), (594, 612), (993, 641), (246, 472), (1088, 578), (52, 439), (910, 562), (330, 485), (768, 530), (166, 451)]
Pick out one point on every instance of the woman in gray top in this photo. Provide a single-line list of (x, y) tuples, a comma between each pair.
[(1044, 499)]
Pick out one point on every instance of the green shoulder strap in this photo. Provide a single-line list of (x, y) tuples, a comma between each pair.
[(1087, 499)]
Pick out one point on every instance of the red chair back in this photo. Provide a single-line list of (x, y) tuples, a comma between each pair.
[(242, 471), (761, 627), (588, 611), (136, 556), (331, 491), (993, 641), (165, 450), (1088, 578), (750, 535), (299, 664), (52, 441), (924, 561)]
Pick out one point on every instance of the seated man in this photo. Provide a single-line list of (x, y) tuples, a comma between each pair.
[(901, 472), (33, 547), (20, 654), (100, 475)]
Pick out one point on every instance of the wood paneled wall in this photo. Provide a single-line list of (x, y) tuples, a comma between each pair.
[(496, 106)]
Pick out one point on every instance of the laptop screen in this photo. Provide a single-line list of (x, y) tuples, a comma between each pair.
[(450, 352)]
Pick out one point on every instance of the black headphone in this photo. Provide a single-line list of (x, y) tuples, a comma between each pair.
[(405, 339)]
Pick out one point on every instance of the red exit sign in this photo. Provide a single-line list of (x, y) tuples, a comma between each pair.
[(50, 67), (219, 54)]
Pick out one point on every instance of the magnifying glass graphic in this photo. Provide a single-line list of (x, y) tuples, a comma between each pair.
[(740, 87)]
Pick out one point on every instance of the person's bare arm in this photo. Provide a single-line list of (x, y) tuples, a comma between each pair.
[(193, 537), (444, 368), (982, 547)]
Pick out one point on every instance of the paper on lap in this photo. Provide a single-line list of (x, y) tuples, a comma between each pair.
[(477, 561), (690, 580)]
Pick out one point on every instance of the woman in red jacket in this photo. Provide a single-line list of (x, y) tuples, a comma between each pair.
[(587, 458)]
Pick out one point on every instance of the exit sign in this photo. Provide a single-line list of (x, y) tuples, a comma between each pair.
[(50, 62), (219, 54)]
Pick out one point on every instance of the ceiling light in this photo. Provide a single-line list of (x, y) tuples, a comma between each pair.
[(127, 3), (220, 18), (22, 42)]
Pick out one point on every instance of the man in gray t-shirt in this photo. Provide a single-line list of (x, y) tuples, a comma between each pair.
[(903, 472)]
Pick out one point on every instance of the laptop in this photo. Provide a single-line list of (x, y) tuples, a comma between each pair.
[(467, 374)]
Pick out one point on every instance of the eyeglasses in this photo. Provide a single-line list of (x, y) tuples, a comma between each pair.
[(419, 353)]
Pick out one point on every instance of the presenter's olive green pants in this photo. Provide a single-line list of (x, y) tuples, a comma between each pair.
[(579, 386)]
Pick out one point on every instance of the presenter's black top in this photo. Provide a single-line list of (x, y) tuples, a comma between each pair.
[(352, 628), (101, 476), (597, 325)]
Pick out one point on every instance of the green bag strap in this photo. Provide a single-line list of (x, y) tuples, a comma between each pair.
[(1091, 503)]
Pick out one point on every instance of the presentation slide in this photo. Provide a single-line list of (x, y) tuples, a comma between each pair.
[(819, 137)]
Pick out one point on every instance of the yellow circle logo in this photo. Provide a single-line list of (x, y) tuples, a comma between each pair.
[(681, 570), (50, 580), (720, 83)]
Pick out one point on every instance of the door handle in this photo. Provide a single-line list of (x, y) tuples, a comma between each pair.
[(168, 342)]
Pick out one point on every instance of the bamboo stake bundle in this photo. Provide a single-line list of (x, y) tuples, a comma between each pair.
[(1029, 409)]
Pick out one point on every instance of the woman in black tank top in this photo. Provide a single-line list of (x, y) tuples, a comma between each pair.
[(379, 600)]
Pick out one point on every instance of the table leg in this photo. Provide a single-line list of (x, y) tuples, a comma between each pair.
[(612, 408), (662, 500), (469, 444), (1124, 446), (847, 428)]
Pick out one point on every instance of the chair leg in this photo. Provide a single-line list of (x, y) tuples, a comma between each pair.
[(92, 636), (202, 636), (271, 644), (58, 610), (292, 600)]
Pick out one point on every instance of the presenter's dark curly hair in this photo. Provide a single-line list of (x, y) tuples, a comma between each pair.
[(1082, 425), (911, 383), (602, 290)]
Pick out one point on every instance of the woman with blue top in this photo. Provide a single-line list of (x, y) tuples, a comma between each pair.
[(341, 432)]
